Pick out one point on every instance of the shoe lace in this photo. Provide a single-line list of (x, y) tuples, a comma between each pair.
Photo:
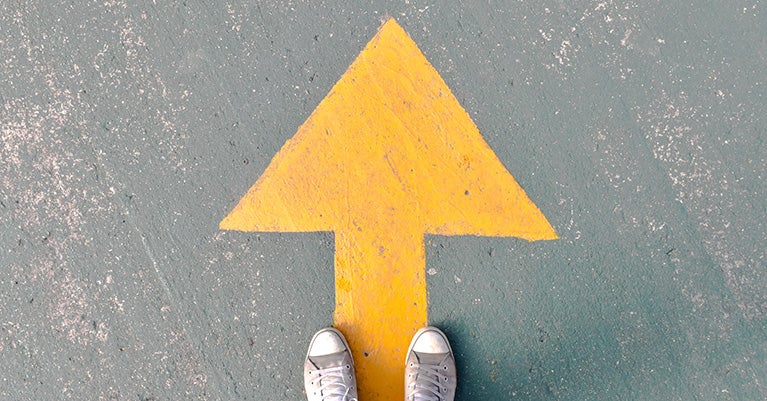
[(426, 386), (333, 385)]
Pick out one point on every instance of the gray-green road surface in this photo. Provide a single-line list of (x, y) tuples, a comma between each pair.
[(130, 128)]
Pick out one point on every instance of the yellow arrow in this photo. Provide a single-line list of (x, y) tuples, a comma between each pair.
[(386, 157)]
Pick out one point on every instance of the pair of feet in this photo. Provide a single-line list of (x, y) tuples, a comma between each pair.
[(429, 368)]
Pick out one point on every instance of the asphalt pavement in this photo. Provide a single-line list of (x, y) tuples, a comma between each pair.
[(131, 129)]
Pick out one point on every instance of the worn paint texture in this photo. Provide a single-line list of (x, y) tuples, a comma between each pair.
[(129, 128), (386, 157)]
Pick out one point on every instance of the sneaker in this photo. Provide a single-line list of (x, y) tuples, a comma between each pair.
[(329, 369), (430, 367)]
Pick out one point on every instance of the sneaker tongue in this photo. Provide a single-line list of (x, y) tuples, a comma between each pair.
[(329, 361), (426, 358)]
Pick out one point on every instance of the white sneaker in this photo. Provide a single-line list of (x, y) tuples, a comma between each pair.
[(430, 367), (329, 369)]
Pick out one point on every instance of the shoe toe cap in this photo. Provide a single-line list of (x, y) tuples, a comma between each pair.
[(431, 342), (326, 343)]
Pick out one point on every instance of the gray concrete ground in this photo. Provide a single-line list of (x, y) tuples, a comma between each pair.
[(130, 129)]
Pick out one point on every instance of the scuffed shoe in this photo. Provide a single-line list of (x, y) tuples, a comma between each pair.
[(329, 369), (430, 367)]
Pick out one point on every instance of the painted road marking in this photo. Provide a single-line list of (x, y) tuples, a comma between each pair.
[(387, 156)]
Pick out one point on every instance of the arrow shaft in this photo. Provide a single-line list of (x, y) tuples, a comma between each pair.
[(380, 304)]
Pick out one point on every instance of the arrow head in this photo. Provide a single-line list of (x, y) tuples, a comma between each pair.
[(389, 146)]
